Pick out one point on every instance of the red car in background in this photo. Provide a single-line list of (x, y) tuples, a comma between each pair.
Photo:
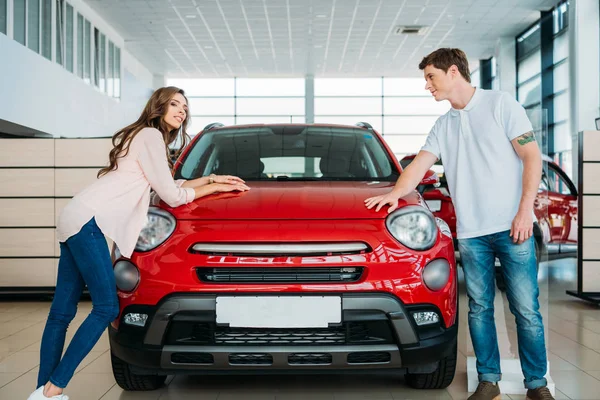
[(295, 274), (555, 208)]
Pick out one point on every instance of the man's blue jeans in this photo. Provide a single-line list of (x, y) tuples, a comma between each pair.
[(84, 260), (519, 267)]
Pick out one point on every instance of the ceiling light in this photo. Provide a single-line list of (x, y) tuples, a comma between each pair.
[(321, 16), (208, 47), (411, 30), (190, 16)]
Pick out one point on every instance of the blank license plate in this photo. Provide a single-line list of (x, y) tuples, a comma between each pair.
[(279, 311)]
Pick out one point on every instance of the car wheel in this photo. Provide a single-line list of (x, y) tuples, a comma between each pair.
[(130, 381), (439, 379), (501, 283)]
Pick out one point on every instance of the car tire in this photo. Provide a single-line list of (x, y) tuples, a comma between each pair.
[(439, 379), (130, 381), (501, 283)]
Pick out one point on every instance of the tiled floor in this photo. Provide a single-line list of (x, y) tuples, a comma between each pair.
[(573, 330)]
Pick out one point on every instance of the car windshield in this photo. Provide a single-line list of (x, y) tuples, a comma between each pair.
[(290, 152)]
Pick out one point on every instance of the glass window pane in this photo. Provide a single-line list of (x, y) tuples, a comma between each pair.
[(19, 21), (561, 47), (87, 71), (530, 93), (97, 59), (350, 120), (561, 107), (199, 122), (60, 31), (270, 87), (348, 87), (348, 106), (3, 16), (79, 45), (69, 39), (211, 106), (110, 81), (33, 25), (102, 62), (530, 66), (47, 29), (562, 136), (414, 106), (205, 87), (117, 72), (413, 125), (406, 144), (298, 119), (561, 77), (529, 41), (404, 87), (272, 106)]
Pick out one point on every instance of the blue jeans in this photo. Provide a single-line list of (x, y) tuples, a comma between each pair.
[(519, 267), (84, 260)]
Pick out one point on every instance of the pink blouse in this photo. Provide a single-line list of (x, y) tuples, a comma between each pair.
[(119, 199)]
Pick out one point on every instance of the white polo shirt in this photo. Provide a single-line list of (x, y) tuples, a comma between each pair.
[(484, 172)]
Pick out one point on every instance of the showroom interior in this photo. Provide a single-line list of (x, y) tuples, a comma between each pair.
[(74, 72)]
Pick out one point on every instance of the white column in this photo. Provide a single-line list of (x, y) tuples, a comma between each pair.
[(309, 99), (584, 64), (506, 73)]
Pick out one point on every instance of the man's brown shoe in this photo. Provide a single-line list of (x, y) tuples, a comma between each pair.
[(541, 393), (486, 391)]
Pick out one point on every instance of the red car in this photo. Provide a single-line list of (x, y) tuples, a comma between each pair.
[(295, 274), (555, 208)]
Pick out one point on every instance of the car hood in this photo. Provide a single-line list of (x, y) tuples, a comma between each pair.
[(292, 200)]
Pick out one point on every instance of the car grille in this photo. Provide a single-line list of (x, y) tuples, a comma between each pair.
[(249, 275), (192, 358), (369, 357), (349, 333), (250, 359), (288, 337), (309, 358)]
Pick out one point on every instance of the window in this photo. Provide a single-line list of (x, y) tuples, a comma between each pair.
[(33, 25), (87, 75), (3, 16), (290, 153), (117, 73), (556, 183), (69, 39), (60, 31), (80, 45), (19, 21), (47, 29), (110, 80)]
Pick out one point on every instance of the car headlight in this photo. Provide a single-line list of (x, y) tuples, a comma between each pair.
[(444, 228), (127, 276), (159, 226), (414, 227)]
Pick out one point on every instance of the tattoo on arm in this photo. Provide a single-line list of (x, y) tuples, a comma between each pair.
[(526, 138)]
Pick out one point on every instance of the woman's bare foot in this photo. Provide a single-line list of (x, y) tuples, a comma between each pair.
[(52, 390)]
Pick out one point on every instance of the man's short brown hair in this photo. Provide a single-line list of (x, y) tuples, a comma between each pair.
[(444, 58)]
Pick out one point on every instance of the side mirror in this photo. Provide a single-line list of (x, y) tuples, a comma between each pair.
[(430, 178)]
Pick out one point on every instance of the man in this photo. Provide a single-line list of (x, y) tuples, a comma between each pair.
[(493, 166)]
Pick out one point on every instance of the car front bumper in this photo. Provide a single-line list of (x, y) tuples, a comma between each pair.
[(377, 332)]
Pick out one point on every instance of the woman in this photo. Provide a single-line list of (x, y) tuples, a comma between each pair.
[(115, 206)]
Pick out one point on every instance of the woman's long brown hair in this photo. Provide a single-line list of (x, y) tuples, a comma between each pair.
[(152, 117)]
